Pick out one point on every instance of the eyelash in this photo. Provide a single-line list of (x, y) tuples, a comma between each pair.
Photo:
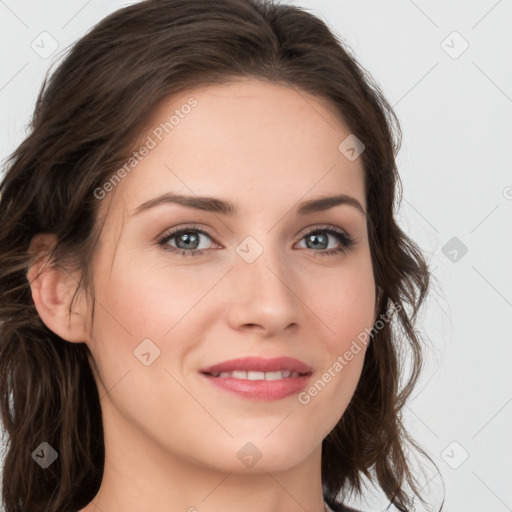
[(346, 241)]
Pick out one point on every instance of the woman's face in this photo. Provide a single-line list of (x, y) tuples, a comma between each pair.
[(254, 283)]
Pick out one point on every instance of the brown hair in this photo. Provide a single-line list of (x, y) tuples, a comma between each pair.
[(87, 119)]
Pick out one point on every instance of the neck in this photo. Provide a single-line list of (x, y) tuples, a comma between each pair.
[(140, 476)]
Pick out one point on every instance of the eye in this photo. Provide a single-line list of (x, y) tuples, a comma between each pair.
[(319, 238), (187, 241)]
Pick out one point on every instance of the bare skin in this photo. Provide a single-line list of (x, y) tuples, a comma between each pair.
[(173, 439)]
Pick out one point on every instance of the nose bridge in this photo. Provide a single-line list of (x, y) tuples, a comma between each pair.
[(260, 259), (264, 287)]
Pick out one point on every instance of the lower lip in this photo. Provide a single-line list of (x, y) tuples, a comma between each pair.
[(261, 389)]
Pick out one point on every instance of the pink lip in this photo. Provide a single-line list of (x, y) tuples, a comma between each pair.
[(259, 364), (260, 389)]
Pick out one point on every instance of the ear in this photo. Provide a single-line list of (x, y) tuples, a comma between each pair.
[(52, 290)]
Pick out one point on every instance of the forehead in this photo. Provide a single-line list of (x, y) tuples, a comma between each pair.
[(246, 140)]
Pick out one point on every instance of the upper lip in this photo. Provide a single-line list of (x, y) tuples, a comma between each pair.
[(259, 364)]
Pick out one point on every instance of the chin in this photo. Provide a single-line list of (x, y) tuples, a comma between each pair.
[(259, 454)]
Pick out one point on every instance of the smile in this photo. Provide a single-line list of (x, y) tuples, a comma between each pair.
[(251, 375)]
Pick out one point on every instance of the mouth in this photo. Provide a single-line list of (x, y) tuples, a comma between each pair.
[(254, 375), (258, 378)]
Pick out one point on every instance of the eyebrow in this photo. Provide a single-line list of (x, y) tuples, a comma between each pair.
[(221, 206)]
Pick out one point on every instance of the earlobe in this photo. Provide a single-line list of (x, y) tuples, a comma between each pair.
[(52, 291)]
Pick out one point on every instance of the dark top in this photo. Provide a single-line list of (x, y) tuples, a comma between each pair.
[(343, 508)]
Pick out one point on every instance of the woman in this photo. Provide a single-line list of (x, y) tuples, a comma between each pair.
[(201, 273)]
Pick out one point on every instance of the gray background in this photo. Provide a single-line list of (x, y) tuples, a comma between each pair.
[(455, 108)]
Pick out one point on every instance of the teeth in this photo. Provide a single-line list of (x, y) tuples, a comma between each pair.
[(273, 375), (253, 375)]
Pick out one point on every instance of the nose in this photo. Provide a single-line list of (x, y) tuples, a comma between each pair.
[(264, 292)]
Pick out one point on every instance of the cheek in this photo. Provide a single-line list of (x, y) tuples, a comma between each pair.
[(345, 307), (139, 318), (344, 303), (147, 299)]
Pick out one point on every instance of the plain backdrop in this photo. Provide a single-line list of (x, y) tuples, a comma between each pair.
[(446, 67)]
